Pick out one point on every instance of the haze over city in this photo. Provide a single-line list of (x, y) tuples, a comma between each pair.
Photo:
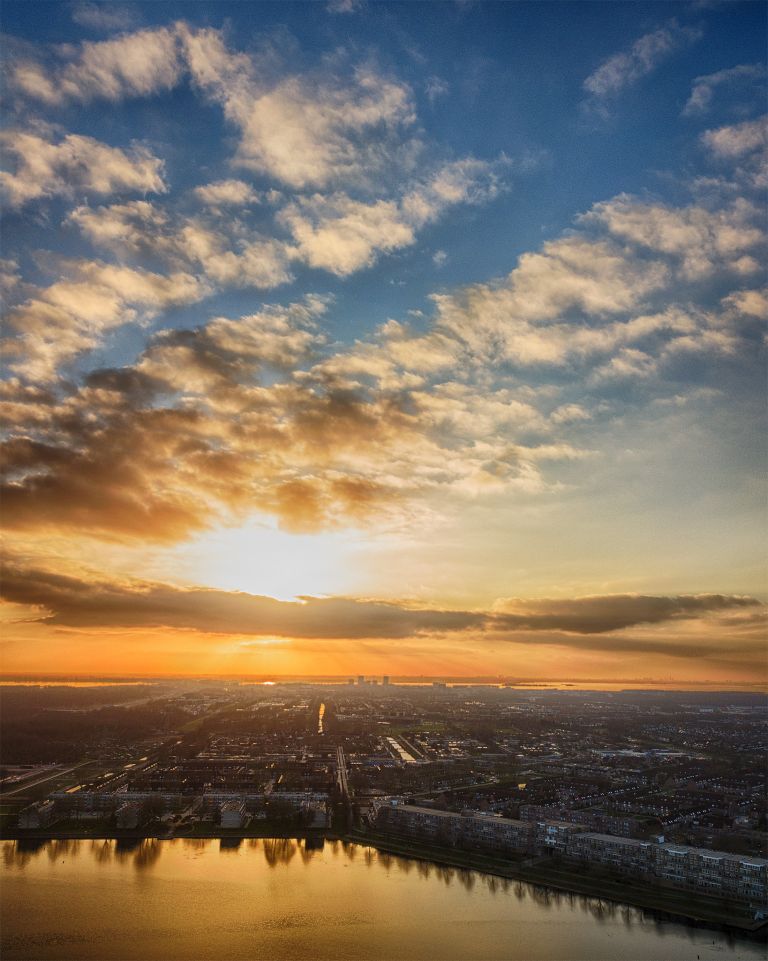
[(406, 339)]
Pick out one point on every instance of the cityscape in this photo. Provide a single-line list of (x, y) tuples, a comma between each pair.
[(653, 798)]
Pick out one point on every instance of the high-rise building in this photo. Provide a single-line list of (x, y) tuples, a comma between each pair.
[(361, 679), (385, 680)]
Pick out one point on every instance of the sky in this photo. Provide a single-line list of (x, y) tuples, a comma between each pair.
[(365, 337)]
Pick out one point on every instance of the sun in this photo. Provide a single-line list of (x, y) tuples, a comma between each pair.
[(259, 558)]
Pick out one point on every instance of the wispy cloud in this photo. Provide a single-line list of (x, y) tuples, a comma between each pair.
[(46, 167), (626, 68), (131, 65), (104, 17), (737, 140), (226, 193), (344, 6), (704, 88), (59, 322)]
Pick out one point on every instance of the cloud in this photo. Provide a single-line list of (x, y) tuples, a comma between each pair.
[(705, 87), (44, 168), (735, 141), (226, 193), (569, 414), (106, 17), (647, 52), (255, 261), (226, 252), (228, 350), (703, 241), (583, 623), (330, 232), (336, 127), (601, 614), (302, 131), (627, 364), (435, 88), (751, 303), (130, 226), (258, 413), (78, 603), (344, 6), (132, 65), (342, 235), (513, 319), (70, 316)]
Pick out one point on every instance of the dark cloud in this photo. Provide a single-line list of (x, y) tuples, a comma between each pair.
[(612, 612), (75, 602)]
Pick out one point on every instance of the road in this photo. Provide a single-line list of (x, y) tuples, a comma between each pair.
[(50, 777), (341, 773)]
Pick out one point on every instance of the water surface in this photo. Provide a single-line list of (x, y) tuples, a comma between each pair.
[(278, 900)]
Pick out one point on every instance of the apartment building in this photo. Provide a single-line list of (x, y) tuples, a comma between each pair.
[(719, 873)]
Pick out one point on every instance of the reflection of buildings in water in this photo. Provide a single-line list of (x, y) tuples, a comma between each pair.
[(404, 864), (19, 853), (102, 851), (148, 854), (252, 843), (541, 896), (229, 845), (126, 849), (196, 844), (63, 848), (279, 850), (307, 851), (598, 911)]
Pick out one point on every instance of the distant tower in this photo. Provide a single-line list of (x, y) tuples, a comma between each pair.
[(361, 679), (385, 680)]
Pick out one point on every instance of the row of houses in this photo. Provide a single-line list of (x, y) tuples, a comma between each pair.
[(732, 876), (593, 819), (130, 808)]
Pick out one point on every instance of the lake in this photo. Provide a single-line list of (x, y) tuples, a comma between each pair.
[(279, 900)]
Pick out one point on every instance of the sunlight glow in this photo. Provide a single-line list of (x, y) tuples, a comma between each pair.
[(262, 559)]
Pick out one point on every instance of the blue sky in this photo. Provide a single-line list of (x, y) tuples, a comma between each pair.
[(469, 297)]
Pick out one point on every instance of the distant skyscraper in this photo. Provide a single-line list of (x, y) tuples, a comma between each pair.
[(385, 680), (361, 679)]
